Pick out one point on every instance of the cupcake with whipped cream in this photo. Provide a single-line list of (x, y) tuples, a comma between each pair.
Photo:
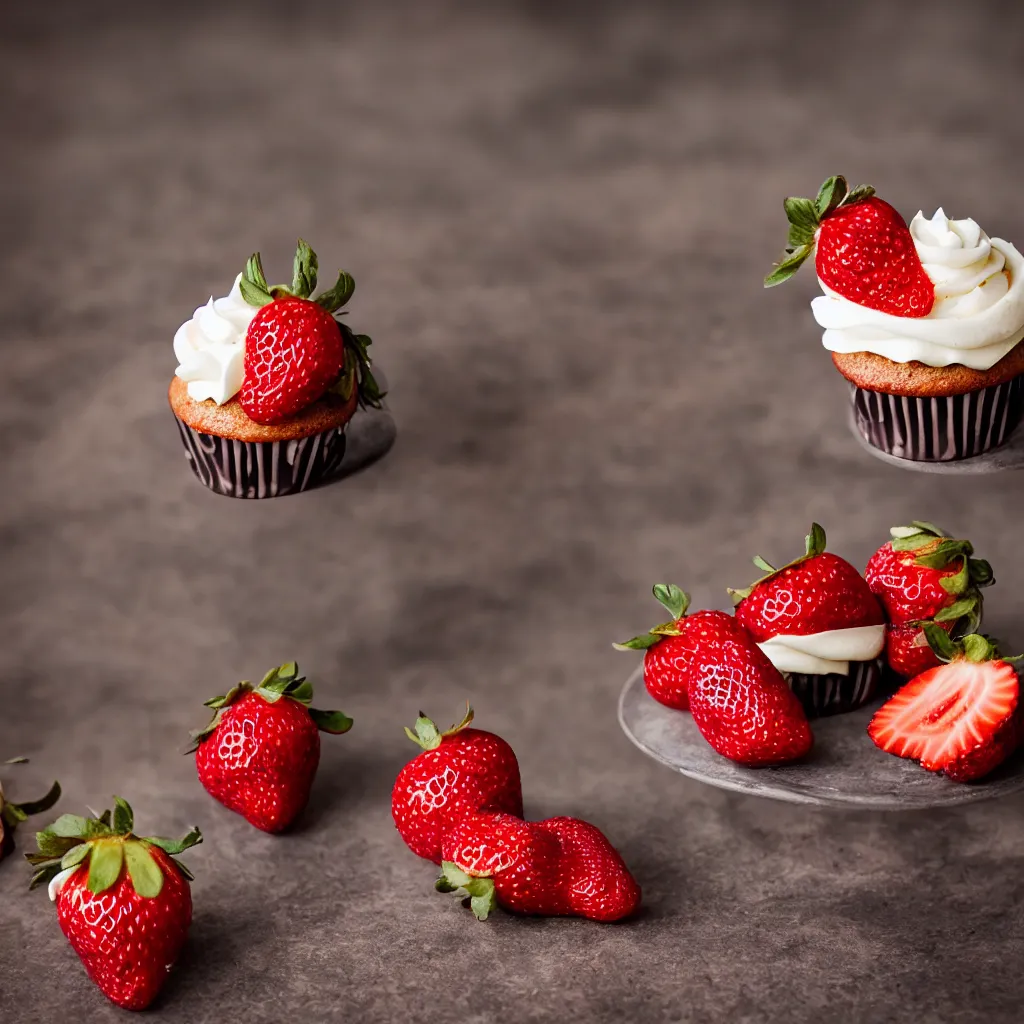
[(925, 321), (267, 381), (820, 625)]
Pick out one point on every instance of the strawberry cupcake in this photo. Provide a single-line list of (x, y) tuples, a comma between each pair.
[(267, 381), (925, 321), (820, 626)]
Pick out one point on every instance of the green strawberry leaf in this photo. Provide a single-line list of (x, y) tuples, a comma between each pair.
[(69, 825), (334, 722), (788, 265), (143, 870), (175, 846), (957, 609), (105, 865), (253, 282), (830, 195), (426, 733), (124, 820), (801, 213), (338, 296), (304, 269), (75, 856), (672, 598), (979, 648), (300, 690), (51, 846), (858, 194), (980, 572), (943, 646), (639, 643), (815, 541), (43, 804), (763, 564)]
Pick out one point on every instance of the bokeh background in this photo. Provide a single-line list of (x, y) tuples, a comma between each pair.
[(558, 215)]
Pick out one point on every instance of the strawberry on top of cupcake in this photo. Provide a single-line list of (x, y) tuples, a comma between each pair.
[(933, 310)]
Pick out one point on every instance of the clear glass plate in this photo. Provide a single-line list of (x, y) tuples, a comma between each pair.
[(844, 768)]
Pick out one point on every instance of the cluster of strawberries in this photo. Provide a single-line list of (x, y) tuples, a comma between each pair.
[(123, 900), (960, 712), (459, 803)]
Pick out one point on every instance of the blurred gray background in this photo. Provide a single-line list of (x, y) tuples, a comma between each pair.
[(558, 215)]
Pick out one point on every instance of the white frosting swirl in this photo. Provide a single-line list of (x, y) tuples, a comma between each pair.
[(831, 651), (978, 315), (211, 347)]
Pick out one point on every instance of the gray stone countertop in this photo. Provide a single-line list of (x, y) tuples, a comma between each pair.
[(558, 216)]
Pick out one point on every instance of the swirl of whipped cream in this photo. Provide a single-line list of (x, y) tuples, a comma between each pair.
[(978, 315), (831, 651), (210, 347)]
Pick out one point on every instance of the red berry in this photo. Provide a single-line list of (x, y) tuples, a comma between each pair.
[(922, 572), (960, 719), (818, 592), (740, 702), (561, 866), (124, 905), (127, 943), (866, 253), (260, 753), (461, 771), (294, 352), (907, 650)]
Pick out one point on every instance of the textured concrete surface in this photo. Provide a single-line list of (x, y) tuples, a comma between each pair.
[(558, 216)]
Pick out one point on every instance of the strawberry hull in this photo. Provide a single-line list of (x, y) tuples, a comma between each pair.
[(263, 469), (939, 429), (835, 694)]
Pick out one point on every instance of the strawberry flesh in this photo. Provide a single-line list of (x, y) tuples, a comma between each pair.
[(953, 718), (907, 590), (866, 254)]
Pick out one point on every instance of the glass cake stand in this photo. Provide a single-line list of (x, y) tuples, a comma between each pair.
[(844, 768), (998, 460)]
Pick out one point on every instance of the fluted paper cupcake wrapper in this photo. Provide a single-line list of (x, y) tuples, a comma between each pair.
[(939, 429), (832, 694), (262, 469)]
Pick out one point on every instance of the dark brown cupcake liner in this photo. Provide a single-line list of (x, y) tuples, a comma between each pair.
[(833, 694), (939, 429), (263, 469)]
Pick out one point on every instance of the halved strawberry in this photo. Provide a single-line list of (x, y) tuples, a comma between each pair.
[(960, 718)]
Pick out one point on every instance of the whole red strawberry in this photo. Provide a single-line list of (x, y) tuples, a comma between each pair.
[(557, 867), (924, 575), (740, 702), (668, 649), (12, 814), (962, 718), (864, 249), (259, 754), (295, 350), (123, 902), (817, 592), (460, 771), (907, 651)]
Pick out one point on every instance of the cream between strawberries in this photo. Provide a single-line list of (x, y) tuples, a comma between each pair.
[(829, 652), (978, 315)]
